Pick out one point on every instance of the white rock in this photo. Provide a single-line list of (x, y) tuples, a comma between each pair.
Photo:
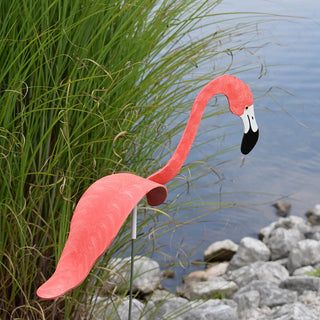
[(248, 304), (292, 222), (214, 309), (216, 270), (160, 295), (281, 241), (106, 308), (314, 233), (270, 294), (220, 251), (211, 288), (303, 271), (312, 300), (147, 274), (314, 215), (268, 271), (265, 232), (293, 311), (301, 284), (305, 253), (174, 308), (250, 250)]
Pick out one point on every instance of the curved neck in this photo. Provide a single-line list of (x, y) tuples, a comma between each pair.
[(220, 85)]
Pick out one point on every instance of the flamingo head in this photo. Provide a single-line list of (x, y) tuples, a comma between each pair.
[(251, 131), (241, 104)]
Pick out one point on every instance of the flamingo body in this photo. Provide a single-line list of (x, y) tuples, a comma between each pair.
[(106, 204), (97, 219)]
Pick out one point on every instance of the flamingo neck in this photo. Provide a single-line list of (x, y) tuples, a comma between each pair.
[(220, 85)]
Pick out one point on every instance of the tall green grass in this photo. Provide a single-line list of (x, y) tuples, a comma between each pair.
[(86, 89)]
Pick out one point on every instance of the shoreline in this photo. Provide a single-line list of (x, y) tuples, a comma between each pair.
[(276, 275)]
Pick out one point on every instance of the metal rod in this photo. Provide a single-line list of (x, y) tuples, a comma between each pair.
[(134, 223), (133, 237)]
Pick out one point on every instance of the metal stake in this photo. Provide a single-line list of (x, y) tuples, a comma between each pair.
[(133, 237)]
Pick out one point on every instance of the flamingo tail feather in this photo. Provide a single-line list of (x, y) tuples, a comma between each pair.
[(97, 219)]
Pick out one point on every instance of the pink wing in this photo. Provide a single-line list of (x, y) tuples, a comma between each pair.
[(97, 219)]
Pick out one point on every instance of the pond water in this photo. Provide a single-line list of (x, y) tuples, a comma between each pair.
[(285, 163)]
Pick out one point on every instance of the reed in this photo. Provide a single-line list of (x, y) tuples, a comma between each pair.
[(88, 88)]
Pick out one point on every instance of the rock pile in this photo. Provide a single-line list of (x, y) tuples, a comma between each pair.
[(273, 277)]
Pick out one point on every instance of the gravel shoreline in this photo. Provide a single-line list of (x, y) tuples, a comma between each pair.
[(276, 276)]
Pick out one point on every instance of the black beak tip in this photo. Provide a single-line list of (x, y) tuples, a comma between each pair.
[(249, 140)]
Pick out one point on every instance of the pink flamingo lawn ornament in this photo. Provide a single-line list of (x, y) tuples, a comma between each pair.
[(107, 203)]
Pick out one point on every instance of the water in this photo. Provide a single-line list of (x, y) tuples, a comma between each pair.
[(285, 162)]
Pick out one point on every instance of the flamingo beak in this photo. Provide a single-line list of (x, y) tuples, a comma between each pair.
[(251, 131)]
